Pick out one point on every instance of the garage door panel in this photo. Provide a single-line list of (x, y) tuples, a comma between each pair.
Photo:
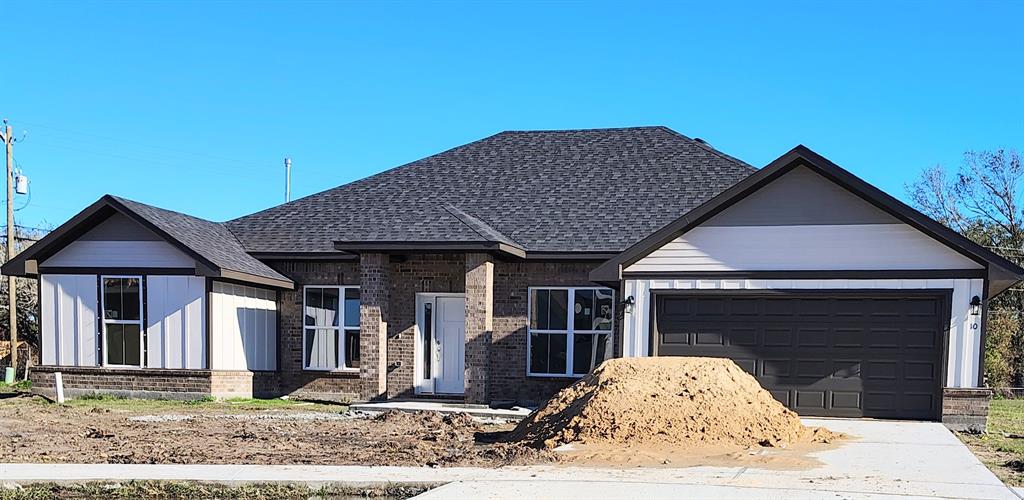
[(809, 400), (740, 307), (920, 370), (748, 365), (848, 338), (783, 397), (880, 370), (785, 307), (812, 336), (883, 338), (775, 336), (710, 307), (917, 338), (850, 401), (846, 368), (709, 337), (676, 338), (812, 368), (777, 368), (820, 353)]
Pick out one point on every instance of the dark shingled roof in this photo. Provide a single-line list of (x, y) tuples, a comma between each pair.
[(598, 190), (211, 240)]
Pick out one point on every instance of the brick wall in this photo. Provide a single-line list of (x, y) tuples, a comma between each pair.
[(129, 383), (291, 379), (507, 377), (966, 409)]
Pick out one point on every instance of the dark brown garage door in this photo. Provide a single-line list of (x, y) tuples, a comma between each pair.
[(820, 353)]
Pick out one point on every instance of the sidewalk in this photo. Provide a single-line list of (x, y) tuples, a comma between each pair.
[(538, 481)]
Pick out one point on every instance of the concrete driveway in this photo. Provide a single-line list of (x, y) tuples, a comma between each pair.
[(890, 459)]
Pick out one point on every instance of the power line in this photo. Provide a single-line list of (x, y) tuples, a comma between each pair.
[(78, 133)]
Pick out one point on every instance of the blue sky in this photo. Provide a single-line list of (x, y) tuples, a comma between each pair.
[(193, 105)]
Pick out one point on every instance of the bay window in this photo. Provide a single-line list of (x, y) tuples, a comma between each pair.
[(330, 336), (123, 343), (569, 330)]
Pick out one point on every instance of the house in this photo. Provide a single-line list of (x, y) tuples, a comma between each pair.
[(504, 269)]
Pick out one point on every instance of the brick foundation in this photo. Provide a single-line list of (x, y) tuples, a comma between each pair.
[(151, 383), (965, 409)]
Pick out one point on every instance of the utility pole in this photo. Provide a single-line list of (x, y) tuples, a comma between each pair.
[(12, 292)]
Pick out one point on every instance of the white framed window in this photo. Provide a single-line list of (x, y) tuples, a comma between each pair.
[(330, 330), (569, 330), (123, 335)]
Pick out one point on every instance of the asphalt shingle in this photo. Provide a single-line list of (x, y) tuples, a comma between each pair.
[(211, 240), (598, 190)]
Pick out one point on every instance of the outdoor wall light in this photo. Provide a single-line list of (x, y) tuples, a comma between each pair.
[(627, 304), (975, 305)]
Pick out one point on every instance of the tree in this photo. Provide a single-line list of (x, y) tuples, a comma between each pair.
[(28, 322), (982, 200)]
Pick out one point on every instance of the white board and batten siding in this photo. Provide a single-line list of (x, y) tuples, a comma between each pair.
[(244, 327), (964, 339), (69, 310), (803, 247), (176, 322)]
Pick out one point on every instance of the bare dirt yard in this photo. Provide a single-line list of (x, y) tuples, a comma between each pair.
[(658, 412), (246, 432)]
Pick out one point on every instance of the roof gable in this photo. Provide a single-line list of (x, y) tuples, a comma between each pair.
[(801, 197), (1001, 273), (215, 250)]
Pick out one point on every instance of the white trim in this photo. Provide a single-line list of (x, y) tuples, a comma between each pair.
[(341, 329), (105, 321), (420, 384), (569, 332)]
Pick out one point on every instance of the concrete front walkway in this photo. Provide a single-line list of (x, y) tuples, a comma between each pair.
[(907, 459)]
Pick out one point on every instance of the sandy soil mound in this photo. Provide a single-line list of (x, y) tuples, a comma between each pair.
[(684, 402)]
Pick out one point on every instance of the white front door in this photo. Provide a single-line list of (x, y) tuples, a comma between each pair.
[(442, 328)]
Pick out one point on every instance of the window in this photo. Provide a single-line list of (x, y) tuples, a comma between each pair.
[(122, 321), (330, 336), (569, 330)]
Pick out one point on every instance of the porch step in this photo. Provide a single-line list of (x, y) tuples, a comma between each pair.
[(477, 411)]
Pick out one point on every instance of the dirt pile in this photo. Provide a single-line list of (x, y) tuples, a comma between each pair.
[(683, 402)]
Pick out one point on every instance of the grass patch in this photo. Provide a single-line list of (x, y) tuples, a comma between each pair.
[(189, 490), (997, 448), (23, 386), (1005, 419)]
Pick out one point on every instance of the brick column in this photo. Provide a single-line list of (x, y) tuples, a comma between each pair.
[(479, 325), (373, 327), (966, 409)]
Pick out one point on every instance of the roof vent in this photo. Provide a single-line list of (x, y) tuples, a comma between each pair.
[(702, 141)]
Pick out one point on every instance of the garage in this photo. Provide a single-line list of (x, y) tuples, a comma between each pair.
[(821, 353), (840, 299)]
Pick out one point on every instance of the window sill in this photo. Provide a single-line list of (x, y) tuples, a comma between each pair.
[(554, 375), (330, 371)]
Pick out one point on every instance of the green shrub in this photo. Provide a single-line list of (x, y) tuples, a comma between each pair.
[(1000, 331)]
